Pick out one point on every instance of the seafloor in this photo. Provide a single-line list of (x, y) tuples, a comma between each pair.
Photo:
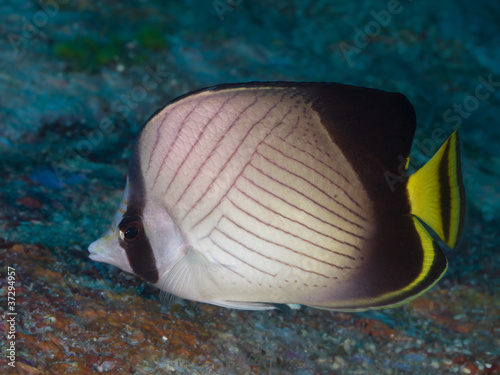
[(78, 79)]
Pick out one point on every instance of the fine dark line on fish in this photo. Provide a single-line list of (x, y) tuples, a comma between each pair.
[(191, 150), (317, 172), (238, 258), (276, 244), (174, 142), (309, 198), (242, 169), (314, 186), (228, 268), (315, 158), (290, 233), (306, 212), (299, 223), (158, 137), (270, 258), (219, 141), (234, 152), (293, 127)]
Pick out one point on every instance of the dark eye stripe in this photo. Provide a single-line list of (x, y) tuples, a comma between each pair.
[(138, 249)]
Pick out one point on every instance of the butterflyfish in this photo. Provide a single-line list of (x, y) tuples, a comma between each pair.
[(255, 195)]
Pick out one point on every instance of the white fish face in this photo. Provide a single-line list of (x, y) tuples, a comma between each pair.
[(107, 249), (160, 233)]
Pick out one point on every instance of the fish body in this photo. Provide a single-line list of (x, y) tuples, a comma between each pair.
[(258, 194)]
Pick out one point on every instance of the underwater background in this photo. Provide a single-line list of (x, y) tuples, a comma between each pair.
[(79, 78)]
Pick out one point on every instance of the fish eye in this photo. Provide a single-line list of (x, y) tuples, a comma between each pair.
[(131, 230)]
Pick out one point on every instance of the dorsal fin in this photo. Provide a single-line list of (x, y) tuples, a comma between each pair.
[(384, 128)]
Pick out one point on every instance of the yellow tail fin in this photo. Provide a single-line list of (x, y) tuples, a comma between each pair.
[(436, 192)]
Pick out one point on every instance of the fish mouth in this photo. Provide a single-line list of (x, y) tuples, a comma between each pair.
[(95, 252)]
